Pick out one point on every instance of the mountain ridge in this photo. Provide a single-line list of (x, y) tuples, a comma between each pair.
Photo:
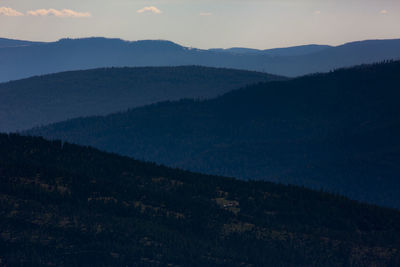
[(5, 42)]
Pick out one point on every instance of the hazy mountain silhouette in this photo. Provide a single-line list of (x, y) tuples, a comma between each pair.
[(52, 98), (338, 131), (287, 51), (74, 54), (65, 205), (15, 43)]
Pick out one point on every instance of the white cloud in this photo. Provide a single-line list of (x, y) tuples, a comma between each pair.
[(317, 12), (9, 12), (151, 9), (384, 12), (205, 14), (64, 13)]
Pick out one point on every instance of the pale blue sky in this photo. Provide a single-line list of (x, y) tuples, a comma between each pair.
[(204, 23)]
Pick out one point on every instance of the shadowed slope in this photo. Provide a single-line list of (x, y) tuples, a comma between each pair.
[(64, 205)]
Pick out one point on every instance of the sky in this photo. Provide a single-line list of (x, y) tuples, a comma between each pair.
[(204, 24)]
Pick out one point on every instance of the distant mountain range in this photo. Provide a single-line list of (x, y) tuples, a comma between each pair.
[(53, 98), (288, 51), (66, 205), (75, 54), (337, 131), (16, 43)]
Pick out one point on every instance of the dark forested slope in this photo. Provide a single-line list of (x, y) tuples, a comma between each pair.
[(65, 205), (338, 131), (52, 98)]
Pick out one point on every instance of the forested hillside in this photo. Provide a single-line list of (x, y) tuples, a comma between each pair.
[(52, 98), (66, 205), (337, 131)]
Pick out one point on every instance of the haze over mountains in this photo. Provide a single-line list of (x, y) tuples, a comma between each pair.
[(338, 131), (43, 100), (68, 54), (241, 134), (66, 205)]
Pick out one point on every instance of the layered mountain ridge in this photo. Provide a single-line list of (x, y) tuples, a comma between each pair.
[(337, 131), (52, 98)]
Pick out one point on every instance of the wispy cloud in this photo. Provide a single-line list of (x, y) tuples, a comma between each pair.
[(384, 12), (9, 12), (150, 9), (205, 14), (64, 13)]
